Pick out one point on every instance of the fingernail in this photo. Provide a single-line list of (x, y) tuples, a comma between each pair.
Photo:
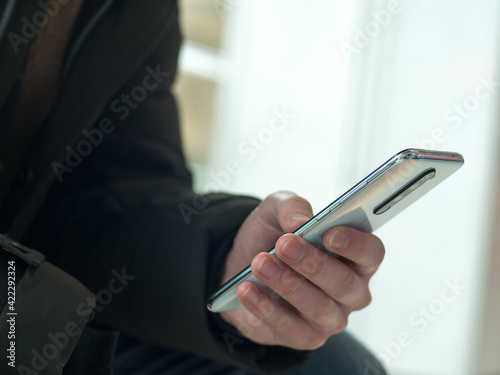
[(293, 250), (338, 239), (251, 295), (299, 218), (269, 268)]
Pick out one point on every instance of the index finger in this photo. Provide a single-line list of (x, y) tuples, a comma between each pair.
[(365, 250)]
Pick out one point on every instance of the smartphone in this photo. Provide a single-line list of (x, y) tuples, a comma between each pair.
[(368, 205)]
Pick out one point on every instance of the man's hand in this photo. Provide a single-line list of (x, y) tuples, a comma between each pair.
[(320, 290)]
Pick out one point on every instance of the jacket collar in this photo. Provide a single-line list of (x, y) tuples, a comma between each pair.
[(111, 53), (14, 46)]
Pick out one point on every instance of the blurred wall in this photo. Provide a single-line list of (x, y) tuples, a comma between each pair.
[(311, 97)]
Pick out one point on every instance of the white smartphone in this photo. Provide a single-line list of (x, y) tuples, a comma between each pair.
[(368, 205)]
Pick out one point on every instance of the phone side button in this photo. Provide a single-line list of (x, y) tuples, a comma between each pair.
[(321, 215), (353, 191)]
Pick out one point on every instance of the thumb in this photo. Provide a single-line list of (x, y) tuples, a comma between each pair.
[(289, 211)]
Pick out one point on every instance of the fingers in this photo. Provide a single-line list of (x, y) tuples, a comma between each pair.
[(326, 279), (336, 279), (365, 250), (316, 306), (320, 290), (280, 324), (286, 211)]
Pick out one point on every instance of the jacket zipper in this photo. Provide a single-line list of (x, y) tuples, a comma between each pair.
[(6, 16), (83, 36)]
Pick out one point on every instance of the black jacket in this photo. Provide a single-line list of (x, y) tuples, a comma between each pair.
[(103, 187)]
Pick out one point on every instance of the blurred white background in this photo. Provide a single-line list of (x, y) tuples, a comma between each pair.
[(312, 96)]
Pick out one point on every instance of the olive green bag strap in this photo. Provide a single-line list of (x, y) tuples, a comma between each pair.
[(44, 316)]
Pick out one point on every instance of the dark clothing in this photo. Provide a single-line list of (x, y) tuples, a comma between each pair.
[(101, 182), (341, 355)]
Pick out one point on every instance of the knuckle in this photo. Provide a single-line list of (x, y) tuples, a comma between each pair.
[(277, 200), (291, 286), (348, 284), (363, 299), (364, 249), (277, 196), (244, 327), (280, 330), (278, 338), (282, 198), (254, 321), (283, 323), (366, 299), (316, 340), (373, 249), (326, 310), (342, 324), (312, 267), (295, 199), (266, 308), (255, 314), (288, 202), (380, 251), (336, 324)]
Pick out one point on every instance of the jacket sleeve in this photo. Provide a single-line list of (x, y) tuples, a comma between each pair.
[(127, 224)]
